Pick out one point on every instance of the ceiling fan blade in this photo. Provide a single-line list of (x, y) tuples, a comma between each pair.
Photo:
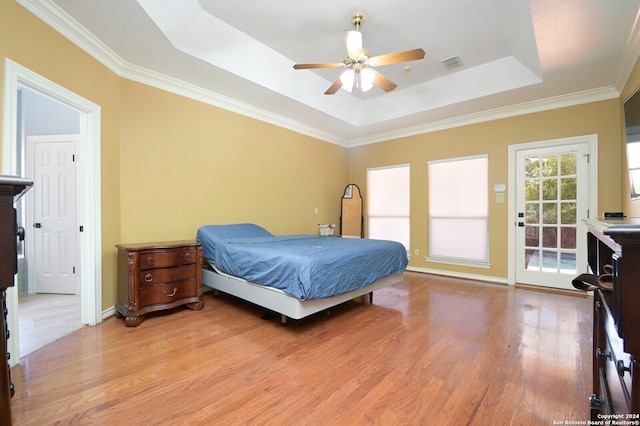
[(309, 66), (383, 82), (392, 58), (353, 40), (334, 87)]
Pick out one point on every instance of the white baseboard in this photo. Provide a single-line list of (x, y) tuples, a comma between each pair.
[(477, 277)]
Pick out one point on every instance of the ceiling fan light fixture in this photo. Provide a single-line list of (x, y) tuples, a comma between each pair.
[(366, 79), (348, 79), (361, 72)]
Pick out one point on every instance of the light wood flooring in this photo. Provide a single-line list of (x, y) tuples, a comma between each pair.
[(44, 318), (428, 351)]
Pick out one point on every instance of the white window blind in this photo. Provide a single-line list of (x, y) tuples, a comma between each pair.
[(459, 210), (388, 204)]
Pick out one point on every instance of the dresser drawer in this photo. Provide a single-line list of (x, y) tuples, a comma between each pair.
[(166, 275), (166, 293), (163, 259)]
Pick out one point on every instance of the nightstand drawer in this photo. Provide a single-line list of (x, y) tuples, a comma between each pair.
[(166, 275), (163, 259), (166, 293)]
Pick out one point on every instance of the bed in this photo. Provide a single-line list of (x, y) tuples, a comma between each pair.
[(296, 275)]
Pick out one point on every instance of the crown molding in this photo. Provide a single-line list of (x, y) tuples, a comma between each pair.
[(178, 87), (58, 19), (572, 99)]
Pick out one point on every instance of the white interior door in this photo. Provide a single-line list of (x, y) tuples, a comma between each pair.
[(53, 255), (552, 199)]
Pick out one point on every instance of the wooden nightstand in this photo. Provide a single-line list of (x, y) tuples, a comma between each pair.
[(157, 276)]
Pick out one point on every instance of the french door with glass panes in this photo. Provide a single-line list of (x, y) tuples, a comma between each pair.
[(552, 200)]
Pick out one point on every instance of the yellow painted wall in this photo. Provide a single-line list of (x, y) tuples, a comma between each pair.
[(186, 164), (29, 42), (493, 138)]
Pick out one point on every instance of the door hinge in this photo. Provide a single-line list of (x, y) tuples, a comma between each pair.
[(73, 158), (81, 228), (74, 269)]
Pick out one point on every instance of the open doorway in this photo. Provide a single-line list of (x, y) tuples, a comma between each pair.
[(47, 282), (89, 188)]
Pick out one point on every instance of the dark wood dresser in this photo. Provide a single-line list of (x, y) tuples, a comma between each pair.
[(11, 188), (614, 253), (158, 276)]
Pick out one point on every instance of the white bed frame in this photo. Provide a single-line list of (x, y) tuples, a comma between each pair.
[(278, 301)]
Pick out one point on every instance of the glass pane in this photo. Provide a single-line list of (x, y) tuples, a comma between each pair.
[(532, 213), (568, 263), (550, 259), (532, 167), (532, 190), (531, 259), (531, 236), (550, 189), (568, 212), (635, 182), (549, 236), (550, 166), (633, 155), (568, 237), (568, 188), (568, 164), (550, 213)]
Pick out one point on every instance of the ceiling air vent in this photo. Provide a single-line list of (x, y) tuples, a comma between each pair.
[(452, 62)]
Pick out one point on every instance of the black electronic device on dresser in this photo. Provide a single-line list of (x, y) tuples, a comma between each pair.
[(11, 188), (614, 260)]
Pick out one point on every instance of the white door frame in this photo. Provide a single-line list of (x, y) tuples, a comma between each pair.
[(89, 190), (592, 203)]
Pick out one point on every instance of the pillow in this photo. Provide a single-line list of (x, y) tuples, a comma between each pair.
[(211, 235)]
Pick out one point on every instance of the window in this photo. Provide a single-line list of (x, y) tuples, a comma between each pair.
[(459, 211), (388, 204)]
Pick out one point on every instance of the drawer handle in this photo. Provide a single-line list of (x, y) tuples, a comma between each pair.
[(149, 261), (595, 402), (148, 278), (186, 256), (621, 368), (173, 293)]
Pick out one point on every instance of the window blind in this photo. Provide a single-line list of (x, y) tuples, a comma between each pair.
[(388, 203), (458, 209)]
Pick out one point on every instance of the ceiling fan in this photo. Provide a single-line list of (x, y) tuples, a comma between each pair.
[(361, 72)]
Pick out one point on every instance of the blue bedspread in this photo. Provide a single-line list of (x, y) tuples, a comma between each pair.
[(304, 266)]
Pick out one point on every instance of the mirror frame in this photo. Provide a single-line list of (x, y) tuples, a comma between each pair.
[(349, 195)]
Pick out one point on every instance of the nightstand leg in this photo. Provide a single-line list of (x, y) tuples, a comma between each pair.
[(133, 321)]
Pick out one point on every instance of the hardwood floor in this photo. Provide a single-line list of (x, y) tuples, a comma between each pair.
[(429, 351), (44, 318)]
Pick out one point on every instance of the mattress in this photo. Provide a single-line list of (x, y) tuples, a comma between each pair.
[(304, 266)]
